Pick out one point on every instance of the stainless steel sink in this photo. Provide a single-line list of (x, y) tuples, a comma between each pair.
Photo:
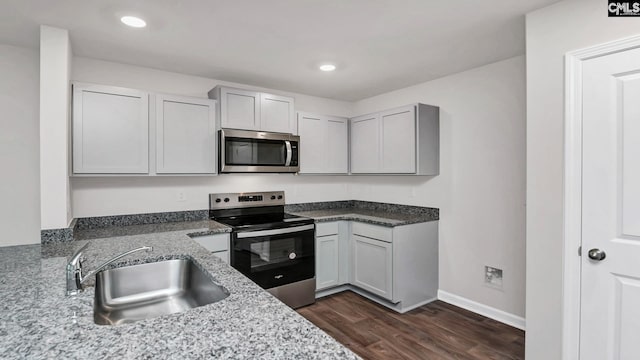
[(137, 292)]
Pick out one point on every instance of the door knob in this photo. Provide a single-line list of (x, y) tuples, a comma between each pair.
[(597, 254)]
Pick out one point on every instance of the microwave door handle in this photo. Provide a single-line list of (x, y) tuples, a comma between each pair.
[(287, 162)]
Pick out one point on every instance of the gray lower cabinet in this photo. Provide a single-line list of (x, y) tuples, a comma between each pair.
[(327, 266), (217, 244), (110, 130), (396, 266), (372, 266), (332, 252)]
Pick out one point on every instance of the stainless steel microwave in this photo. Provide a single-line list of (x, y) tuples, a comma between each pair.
[(243, 151)]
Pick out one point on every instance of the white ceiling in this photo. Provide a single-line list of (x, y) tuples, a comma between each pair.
[(378, 45)]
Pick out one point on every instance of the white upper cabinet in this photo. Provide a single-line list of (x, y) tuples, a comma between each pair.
[(253, 110), (185, 135), (114, 133), (277, 114), (337, 145), (403, 140), (239, 109), (312, 130), (324, 145), (399, 140), (110, 130), (365, 144)]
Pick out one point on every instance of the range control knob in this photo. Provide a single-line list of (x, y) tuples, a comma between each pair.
[(226, 199), (218, 200), (279, 197), (273, 197)]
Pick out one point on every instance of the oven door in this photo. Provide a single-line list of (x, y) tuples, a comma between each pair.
[(253, 151), (275, 257)]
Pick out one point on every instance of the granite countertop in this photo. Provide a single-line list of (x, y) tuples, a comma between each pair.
[(39, 321), (383, 214), (196, 228), (361, 215)]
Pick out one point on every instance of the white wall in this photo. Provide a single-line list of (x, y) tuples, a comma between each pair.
[(55, 65), (481, 187), (109, 196), (19, 150), (551, 33)]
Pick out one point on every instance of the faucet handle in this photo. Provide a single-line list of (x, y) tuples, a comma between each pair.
[(78, 254)]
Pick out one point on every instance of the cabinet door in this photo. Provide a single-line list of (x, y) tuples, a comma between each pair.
[(312, 130), (213, 243), (327, 261), (110, 130), (365, 144), (337, 146), (399, 140), (222, 255), (185, 135), (372, 265), (277, 114), (239, 109)]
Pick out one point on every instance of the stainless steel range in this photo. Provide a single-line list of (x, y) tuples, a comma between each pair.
[(274, 249)]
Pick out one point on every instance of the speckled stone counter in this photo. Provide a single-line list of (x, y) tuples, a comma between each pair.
[(364, 211), (39, 321), (196, 228)]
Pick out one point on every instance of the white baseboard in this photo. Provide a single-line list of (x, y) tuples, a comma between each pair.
[(331, 291), (484, 310), (396, 307)]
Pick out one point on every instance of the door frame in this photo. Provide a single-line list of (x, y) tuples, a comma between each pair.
[(572, 224)]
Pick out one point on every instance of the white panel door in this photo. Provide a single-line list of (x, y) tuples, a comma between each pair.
[(110, 130), (337, 146), (185, 135), (365, 144), (610, 287), (239, 109), (312, 130), (399, 140), (277, 114), (372, 265), (327, 261)]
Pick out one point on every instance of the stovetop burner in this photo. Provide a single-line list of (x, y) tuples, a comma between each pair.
[(253, 211), (259, 219)]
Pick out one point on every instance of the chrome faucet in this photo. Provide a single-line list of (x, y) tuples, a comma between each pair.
[(75, 278)]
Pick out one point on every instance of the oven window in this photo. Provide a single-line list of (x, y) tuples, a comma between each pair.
[(257, 152), (268, 252), (276, 259)]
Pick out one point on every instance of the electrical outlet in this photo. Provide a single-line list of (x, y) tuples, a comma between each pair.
[(493, 277), (181, 196)]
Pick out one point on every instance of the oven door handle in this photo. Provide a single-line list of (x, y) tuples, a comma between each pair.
[(259, 233), (287, 162)]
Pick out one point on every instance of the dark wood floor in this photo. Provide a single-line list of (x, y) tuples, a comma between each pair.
[(434, 331)]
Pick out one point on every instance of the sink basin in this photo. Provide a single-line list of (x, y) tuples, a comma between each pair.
[(138, 292)]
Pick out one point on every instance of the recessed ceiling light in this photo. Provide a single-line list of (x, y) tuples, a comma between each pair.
[(133, 21), (327, 67)]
